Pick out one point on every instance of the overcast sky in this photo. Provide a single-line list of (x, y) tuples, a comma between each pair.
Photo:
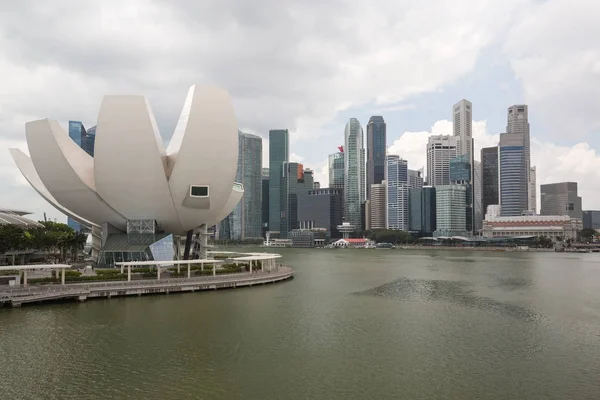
[(309, 66)]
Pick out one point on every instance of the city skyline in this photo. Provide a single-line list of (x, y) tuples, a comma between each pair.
[(519, 61)]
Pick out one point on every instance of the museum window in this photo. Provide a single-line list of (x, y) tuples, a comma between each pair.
[(198, 191)]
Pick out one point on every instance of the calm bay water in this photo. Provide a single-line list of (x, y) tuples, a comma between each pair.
[(353, 324)]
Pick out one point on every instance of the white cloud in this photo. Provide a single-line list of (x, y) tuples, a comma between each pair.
[(296, 158), (554, 50), (322, 174), (290, 64), (286, 63)]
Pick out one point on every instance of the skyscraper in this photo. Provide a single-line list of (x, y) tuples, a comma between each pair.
[(279, 153), (560, 199), (321, 209), (460, 174), (76, 131), (591, 219), (86, 140), (460, 170), (489, 178), (532, 191), (376, 151), (415, 209), (295, 183), (463, 128), (378, 206), (450, 210), (336, 170), (397, 193), (354, 173), (422, 210), (245, 221), (518, 123), (265, 201), (513, 178), (440, 150), (415, 178), (477, 188), (248, 215), (428, 210)]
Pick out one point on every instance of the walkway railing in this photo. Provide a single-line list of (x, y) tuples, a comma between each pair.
[(74, 288)]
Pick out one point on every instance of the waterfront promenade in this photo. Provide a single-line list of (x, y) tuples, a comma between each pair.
[(83, 291)]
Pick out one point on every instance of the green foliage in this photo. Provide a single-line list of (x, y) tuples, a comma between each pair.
[(11, 272), (587, 234), (70, 274), (12, 238), (108, 272), (543, 242), (390, 236), (78, 278), (231, 242), (58, 240)]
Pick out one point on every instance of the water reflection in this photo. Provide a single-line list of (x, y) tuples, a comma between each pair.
[(461, 293)]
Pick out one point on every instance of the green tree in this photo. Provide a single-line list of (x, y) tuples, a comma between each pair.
[(12, 238), (54, 238), (587, 234)]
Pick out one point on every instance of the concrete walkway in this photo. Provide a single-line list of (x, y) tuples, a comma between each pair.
[(82, 291)]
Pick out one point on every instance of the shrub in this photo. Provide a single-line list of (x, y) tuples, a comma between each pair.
[(108, 272)]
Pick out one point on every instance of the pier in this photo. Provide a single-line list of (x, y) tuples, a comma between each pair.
[(268, 272)]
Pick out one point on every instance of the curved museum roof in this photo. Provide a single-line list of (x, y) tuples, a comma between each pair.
[(132, 175), (16, 218)]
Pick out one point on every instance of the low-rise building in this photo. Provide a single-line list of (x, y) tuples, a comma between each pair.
[(354, 243), (552, 226), (302, 238)]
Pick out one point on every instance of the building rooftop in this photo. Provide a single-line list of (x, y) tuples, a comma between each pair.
[(15, 217), (355, 240), (531, 219)]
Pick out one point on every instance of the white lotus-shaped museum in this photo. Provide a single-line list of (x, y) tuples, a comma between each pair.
[(132, 176)]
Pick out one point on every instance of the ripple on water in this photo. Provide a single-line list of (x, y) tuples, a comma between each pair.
[(420, 290)]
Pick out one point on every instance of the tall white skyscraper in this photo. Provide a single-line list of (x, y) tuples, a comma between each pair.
[(440, 150), (463, 127), (462, 113), (354, 173), (397, 192), (532, 195)]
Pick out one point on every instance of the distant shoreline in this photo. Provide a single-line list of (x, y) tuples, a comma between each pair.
[(510, 249)]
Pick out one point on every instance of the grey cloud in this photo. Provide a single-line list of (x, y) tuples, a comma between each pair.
[(286, 63)]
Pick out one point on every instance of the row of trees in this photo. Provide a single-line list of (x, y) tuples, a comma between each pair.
[(59, 241)]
